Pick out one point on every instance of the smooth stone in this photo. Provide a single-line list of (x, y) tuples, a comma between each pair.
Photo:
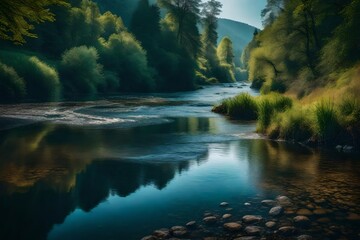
[(323, 220), (247, 204), (353, 217), (179, 231), (149, 238), (232, 226), (162, 233), (246, 238), (225, 216), (276, 211), (191, 224), (268, 203), (287, 230), (224, 204), (283, 200), (251, 218), (304, 211), (301, 220), (210, 219), (319, 211), (304, 237), (253, 230), (228, 209), (207, 214), (270, 224)]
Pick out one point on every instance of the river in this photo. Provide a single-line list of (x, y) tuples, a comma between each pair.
[(122, 167)]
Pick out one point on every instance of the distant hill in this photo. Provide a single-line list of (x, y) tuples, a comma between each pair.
[(240, 33)]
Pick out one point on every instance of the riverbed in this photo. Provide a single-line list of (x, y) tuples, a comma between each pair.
[(124, 166)]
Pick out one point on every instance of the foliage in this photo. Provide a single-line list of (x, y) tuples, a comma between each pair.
[(17, 17), (81, 73), (12, 87)]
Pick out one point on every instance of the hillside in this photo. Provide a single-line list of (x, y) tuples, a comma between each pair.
[(240, 33)]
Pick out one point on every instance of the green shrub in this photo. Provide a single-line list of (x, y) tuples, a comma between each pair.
[(42, 80), (327, 121), (281, 103), (265, 111), (296, 125), (242, 107), (257, 83), (12, 87), (80, 72)]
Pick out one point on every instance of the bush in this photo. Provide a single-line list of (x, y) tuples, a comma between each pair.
[(243, 107), (123, 55), (327, 121), (295, 125), (265, 114), (257, 83), (42, 81), (80, 72), (12, 87)]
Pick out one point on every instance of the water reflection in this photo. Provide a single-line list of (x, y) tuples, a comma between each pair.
[(132, 181)]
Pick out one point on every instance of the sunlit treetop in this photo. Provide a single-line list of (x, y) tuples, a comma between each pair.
[(17, 17)]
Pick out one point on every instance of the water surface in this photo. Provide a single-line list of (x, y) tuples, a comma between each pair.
[(123, 167)]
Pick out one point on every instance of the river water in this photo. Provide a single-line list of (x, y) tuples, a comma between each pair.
[(122, 167)]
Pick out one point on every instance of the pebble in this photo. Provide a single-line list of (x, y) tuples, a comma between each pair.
[(287, 231), (304, 237), (247, 204), (225, 216), (270, 224), (179, 231), (149, 238), (276, 211), (268, 203), (246, 238), (191, 224), (320, 211), (232, 226), (210, 219), (251, 218), (253, 230), (224, 204), (228, 209), (284, 200), (162, 233), (353, 217), (301, 220), (304, 211)]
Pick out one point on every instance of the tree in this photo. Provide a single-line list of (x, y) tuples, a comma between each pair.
[(210, 13), (225, 51), (184, 15), (17, 17)]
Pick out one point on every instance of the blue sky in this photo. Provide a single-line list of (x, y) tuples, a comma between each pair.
[(247, 11)]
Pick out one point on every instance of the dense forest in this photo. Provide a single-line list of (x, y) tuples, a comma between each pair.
[(309, 50), (79, 49)]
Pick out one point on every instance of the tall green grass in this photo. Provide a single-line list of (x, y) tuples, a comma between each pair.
[(327, 121)]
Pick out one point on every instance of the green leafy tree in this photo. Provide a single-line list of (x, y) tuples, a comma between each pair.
[(17, 17), (183, 17)]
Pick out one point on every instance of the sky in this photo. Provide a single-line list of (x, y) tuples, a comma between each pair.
[(247, 11)]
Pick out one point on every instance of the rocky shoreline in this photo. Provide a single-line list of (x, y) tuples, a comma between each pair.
[(281, 221)]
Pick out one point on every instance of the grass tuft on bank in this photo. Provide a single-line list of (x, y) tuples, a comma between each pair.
[(325, 122)]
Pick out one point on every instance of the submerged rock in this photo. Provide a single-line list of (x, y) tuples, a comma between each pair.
[(232, 226), (149, 238), (210, 219), (301, 220), (304, 237), (276, 211), (225, 216), (224, 204), (304, 211), (268, 203), (247, 204), (253, 230), (251, 218), (162, 233), (246, 238), (191, 224), (179, 231), (283, 200), (287, 230), (270, 224)]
